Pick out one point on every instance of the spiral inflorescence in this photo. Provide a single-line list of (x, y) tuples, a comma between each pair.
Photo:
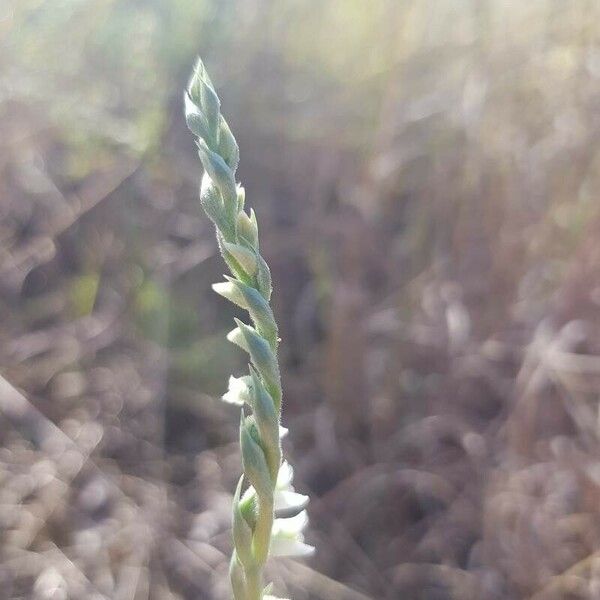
[(257, 533)]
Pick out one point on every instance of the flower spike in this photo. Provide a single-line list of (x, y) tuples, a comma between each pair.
[(268, 491)]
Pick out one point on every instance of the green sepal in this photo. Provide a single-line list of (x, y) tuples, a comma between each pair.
[(202, 92), (210, 199), (211, 107), (235, 336), (222, 175), (228, 147), (229, 259), (247, 229), (241, 197), (199, 75), (242, 534), (263, 359), (267, 422), (263, 278), (245, 257), (254, 461), (195, 120), (259, 309), (231, 289), (236, 576), (248, 507)]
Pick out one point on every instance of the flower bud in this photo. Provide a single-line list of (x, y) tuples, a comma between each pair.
[(254, 461), (247, 228), (254, 302), (235, 336), (228, 147), (195, 120), (211, 202), (263, 278), (202, 92), (246, 258), (267, 422), (220, 173), (263, 359), (229, 290)]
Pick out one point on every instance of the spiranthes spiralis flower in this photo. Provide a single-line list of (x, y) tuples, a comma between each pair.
[(258, 529)]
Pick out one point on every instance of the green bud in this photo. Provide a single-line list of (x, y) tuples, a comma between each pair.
[(241, 197), (229, 290), (235, 336), (195, 120), (202, 94), (254, 461), (267, 422), (228, 147), (199, 74), (249, 507), (210, 199), (255, 304), (246, 258), (263, 359), (263, 278), (246, 228), (220, 173), (211, 107)]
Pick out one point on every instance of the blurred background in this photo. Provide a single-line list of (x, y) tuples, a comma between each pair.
[(425, 176)]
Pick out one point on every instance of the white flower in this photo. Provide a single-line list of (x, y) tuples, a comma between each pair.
[(285, 500), (285, 476), (287, 538), (239, 390)]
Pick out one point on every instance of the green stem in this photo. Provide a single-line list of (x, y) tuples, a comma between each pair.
[(254, 587), (262, 531)]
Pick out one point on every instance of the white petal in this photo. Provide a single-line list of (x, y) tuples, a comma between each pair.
[(287, 500), (283, 431), (292, 527), (290, 547), (239, 390), (285, 476)]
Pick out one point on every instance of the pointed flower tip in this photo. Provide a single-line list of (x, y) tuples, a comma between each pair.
[(246, 258), (230, 291), (291, 548), (289, 500), (222, 287), (235, 336)]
